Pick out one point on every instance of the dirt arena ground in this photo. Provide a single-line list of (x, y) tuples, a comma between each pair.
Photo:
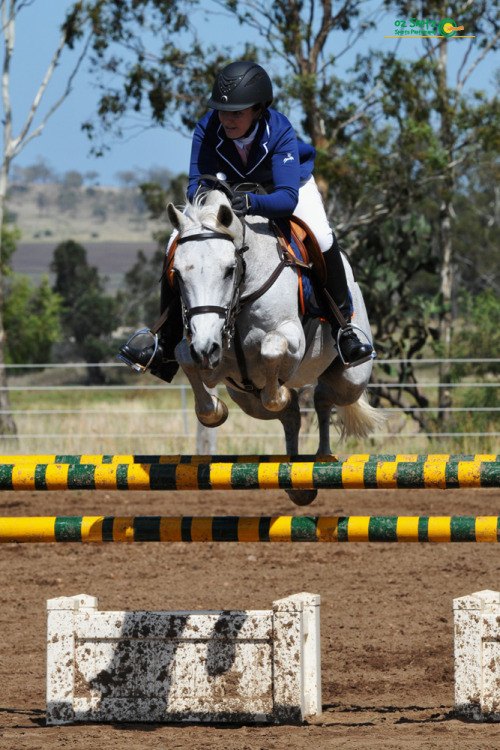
[(386, 615)]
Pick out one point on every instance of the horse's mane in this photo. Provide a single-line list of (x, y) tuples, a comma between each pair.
[(205, 213)]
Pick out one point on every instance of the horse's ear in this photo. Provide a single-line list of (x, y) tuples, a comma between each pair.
[(175, 216), (225, 216)]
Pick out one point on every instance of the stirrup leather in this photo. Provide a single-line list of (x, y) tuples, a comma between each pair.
[(351, 327), (136, 365)]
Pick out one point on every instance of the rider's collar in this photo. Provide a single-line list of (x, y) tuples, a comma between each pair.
[(242, 142)]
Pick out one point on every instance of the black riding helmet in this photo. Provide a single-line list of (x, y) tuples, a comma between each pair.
[(240, 85)]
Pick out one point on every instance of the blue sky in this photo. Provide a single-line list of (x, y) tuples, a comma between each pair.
[(63, 146)]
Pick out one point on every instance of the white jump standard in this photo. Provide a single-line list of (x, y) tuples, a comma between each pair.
[(224, 666)]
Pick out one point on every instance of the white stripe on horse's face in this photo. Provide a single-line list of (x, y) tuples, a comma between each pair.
[(206, 272)]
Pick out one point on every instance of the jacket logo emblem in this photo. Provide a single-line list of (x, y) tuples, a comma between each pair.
[(288, 157)]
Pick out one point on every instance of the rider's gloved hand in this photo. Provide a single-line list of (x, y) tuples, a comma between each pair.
[(241, 204)]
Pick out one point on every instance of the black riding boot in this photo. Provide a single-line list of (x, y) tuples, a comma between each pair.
[(351, 349), (163, 364)]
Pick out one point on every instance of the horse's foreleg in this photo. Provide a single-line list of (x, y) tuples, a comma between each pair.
[(274, 396), (210, 410)]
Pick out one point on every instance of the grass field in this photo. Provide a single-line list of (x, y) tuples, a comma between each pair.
[(56, 412)]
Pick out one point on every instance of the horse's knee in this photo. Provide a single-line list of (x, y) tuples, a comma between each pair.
[(274, 347)]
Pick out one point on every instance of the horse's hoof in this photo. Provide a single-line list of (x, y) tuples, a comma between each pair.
[(302, 497), (215, 418), (280, 402)]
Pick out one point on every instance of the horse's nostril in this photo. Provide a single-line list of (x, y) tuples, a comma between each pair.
[(214, 355), (194, 354)]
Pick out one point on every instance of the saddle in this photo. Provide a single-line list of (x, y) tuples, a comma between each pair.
[(307, 246), (299, 247)]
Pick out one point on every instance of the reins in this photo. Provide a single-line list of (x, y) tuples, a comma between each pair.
[(286, 259)]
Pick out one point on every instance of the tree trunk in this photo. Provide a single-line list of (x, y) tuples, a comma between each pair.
[(446, 244), (7, 423), (446, 321)]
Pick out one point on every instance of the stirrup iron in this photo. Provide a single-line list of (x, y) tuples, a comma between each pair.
[(341, 332), (135, 365)]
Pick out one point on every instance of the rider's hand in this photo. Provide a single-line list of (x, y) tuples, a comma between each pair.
[(241, 204)]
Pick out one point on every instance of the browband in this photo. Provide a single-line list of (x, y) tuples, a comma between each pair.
[(203, 237)]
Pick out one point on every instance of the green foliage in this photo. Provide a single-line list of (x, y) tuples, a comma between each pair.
[(476, 334), (31, 320), (88, 315), (395, 264), (10, 237), (477, 226), (139, 299)]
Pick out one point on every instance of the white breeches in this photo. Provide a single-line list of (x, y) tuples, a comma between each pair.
[(310, 209)]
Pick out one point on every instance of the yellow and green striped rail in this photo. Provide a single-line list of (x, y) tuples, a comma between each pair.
[(251, 529), (426, 474), (104, 458)]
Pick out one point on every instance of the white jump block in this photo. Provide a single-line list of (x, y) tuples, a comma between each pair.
[(224, 666), (477, 656)]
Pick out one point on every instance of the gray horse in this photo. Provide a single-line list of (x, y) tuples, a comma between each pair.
[(243, 328)]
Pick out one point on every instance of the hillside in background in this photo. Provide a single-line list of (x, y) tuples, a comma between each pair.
[(56, 212), (111, 223)]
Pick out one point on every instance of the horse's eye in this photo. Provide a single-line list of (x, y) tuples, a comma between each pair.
[(229, 272)]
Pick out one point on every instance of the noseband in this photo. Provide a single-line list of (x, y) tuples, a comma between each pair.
[(228, 313)]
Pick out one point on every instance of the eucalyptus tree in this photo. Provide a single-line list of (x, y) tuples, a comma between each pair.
[(72, 27), (461, 127), (394, 129)]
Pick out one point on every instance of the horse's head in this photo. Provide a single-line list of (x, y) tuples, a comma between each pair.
[(208, 266)]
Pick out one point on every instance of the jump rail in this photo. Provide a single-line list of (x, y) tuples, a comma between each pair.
[(235, 458), (251, 529), (419, 474)]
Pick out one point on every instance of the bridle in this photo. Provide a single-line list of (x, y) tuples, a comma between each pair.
[(230, 311)]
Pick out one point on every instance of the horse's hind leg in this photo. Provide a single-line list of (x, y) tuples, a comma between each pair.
[(345, 389), (290, 420), (323, 404)]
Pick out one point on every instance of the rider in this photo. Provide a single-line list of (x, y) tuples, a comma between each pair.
[(247, 141)]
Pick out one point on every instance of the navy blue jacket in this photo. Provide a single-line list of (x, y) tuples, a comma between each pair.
[(278, 160)]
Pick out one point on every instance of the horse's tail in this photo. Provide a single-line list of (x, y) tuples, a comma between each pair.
[(359, 419)]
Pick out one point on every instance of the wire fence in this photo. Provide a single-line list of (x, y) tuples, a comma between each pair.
[(55, 411)]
